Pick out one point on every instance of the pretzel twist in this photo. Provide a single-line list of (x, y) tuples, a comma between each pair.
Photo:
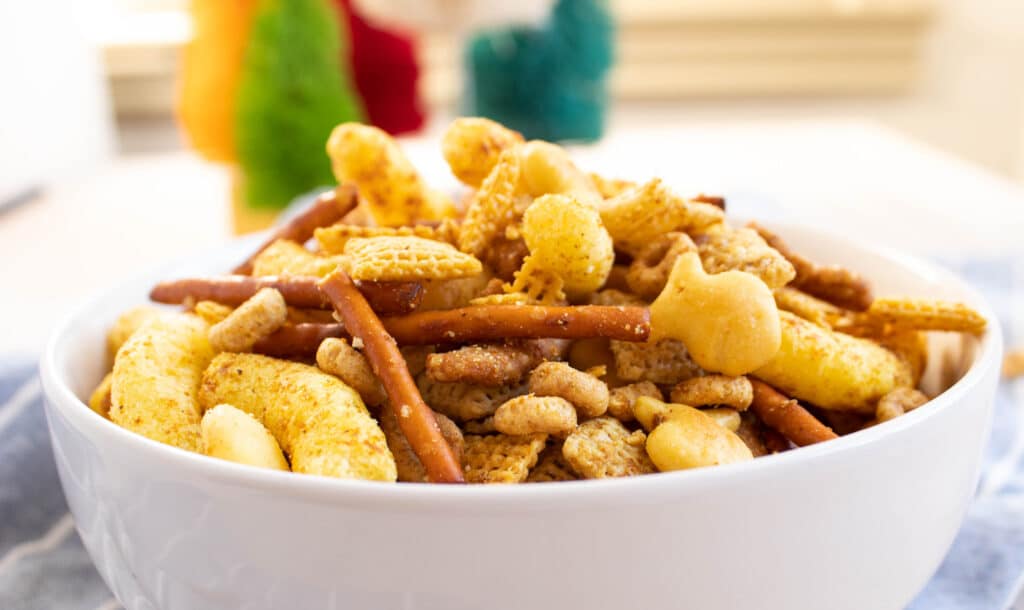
[(785, 415), (328, 209), (298, 291), (415, 418)]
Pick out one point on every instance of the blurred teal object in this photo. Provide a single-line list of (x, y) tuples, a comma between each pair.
[(548, 82)]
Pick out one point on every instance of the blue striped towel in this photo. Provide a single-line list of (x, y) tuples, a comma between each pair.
[(43, 563)]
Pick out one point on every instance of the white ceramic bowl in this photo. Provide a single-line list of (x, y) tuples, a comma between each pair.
[(860, 522)]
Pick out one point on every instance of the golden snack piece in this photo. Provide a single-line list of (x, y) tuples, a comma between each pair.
[(453, 293), (728, 321), (99, 400), (156, 380), (785, 415), (610, 187), (284, 257), (925, 314), (332, 239), (832, 370), (622, 399), (551, 467), (126, 324), (472, 146), (734, 392), (337, 357), (234, 435), (602, 447), (319, 421), (394, 193), (462, 401), (1013, 364), (649, 271), (548, 170), (640, 215), (912, 347), (493, 207), (211, 311), (567, 238), (406, 258), (810, 308), (532, 284), (689, 438), (723, 248), (487, 365), (251, 321), (328, 208), (480, 426), (898, 402), (531, 414), (588, 394), (500, 458), (409, 467), (726, 417), (665, 361)]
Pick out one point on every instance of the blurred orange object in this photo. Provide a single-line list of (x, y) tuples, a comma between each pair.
[(210, 75)]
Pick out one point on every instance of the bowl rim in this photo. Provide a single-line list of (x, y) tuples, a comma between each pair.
[(424, 496)]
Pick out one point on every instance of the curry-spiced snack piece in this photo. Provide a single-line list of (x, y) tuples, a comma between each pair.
[(553, 325)]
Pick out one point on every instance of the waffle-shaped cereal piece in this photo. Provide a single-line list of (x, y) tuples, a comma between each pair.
[(665, 361), (640, 215), (602, 447), (588, 394), (156, 379), (925, 314), (567, 238), (622, 399), (735, 392), (832, 370), (533, 284), (260, 315), (285, 257), (462, 401), (494, 206), (408, 466), (649, 271), (531, 414), (547, 169), (389, 185), (551, 466), (320, 423), (500, 458), (332, 239), (723, 248), (386, 259), (472, 146)]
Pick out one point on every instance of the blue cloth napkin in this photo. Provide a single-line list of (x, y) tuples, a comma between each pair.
[(43, 563)]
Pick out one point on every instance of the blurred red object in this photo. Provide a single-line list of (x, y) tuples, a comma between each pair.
[(385, 69)]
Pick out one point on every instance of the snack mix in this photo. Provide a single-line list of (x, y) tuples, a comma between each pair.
[(550, 325)]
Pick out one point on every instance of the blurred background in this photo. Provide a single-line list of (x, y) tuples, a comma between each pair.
[(133, 131)]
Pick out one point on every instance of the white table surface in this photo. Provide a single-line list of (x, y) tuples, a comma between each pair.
[(852, 176)]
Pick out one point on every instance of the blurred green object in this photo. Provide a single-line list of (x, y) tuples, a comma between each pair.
[(293, 91), (548, 82)]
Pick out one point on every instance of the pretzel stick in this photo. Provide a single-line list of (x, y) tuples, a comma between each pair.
[(415, 418), (298, 291), (787, 416), (476, 324), (500, 322), (328, 209)]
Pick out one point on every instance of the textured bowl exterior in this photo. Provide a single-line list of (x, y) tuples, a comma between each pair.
[(861, 522)]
